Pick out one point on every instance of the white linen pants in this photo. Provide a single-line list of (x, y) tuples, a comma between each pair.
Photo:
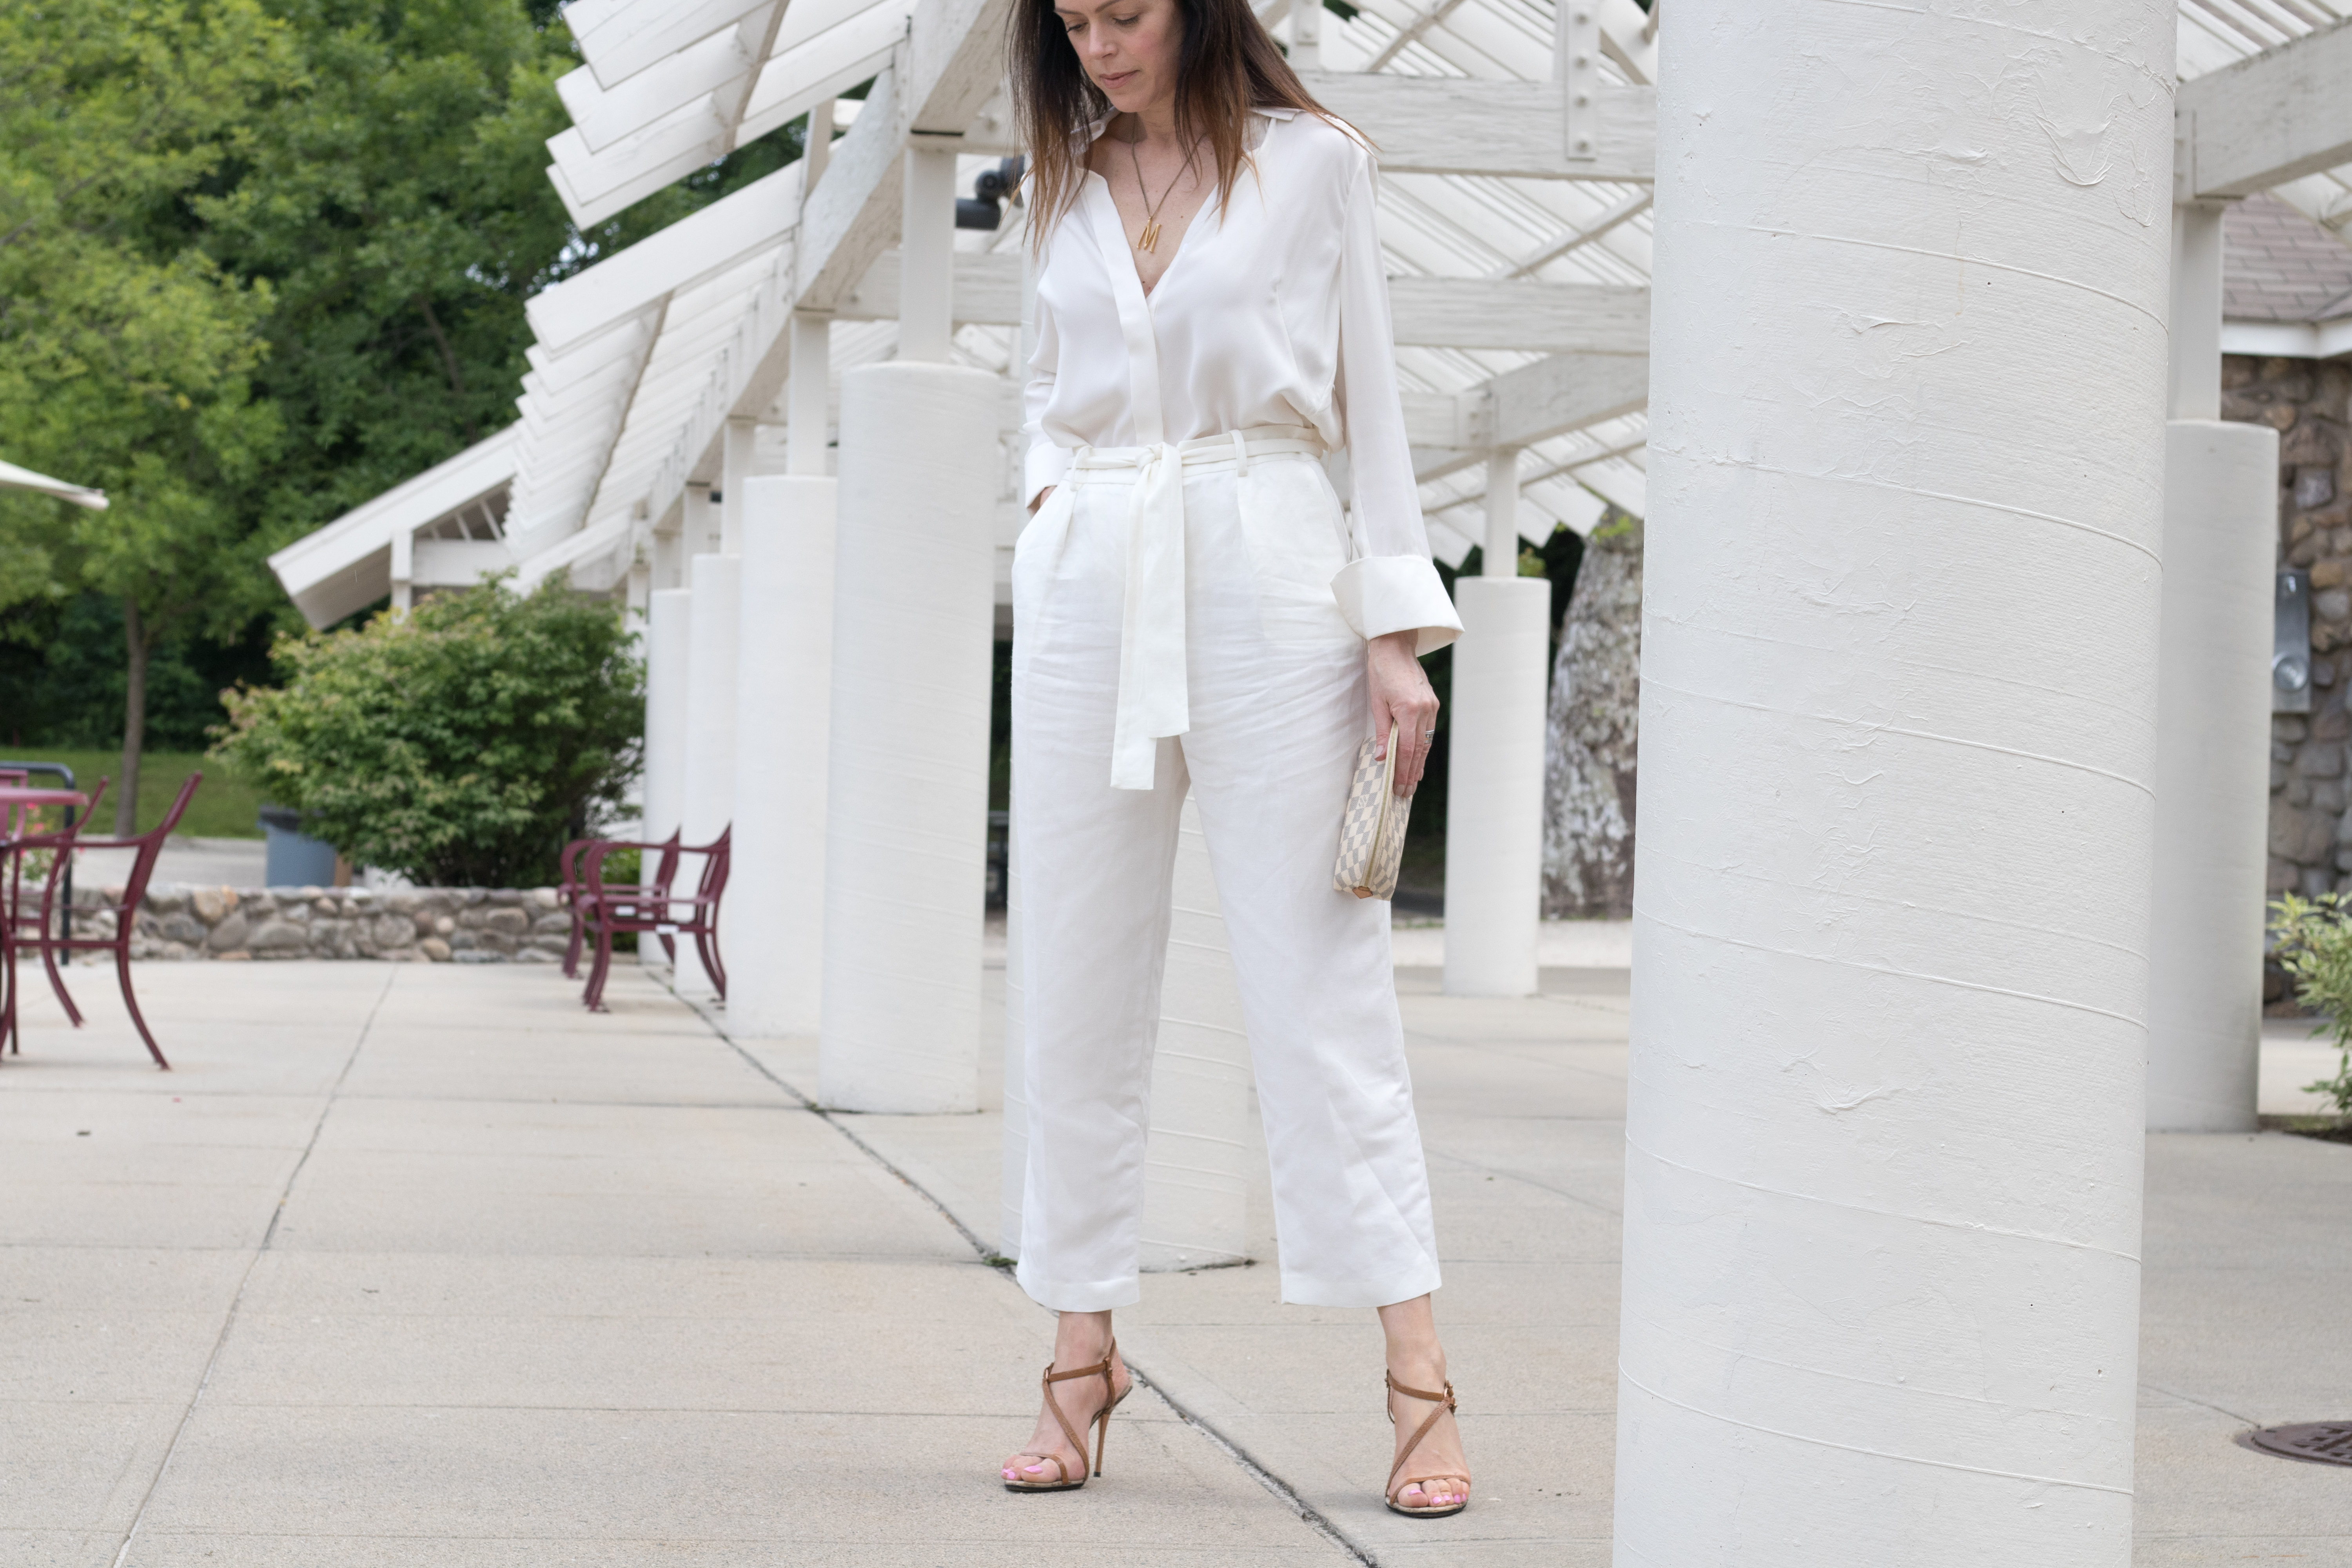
[(1276, 685)]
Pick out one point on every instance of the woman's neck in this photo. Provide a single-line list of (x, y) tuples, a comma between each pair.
[(1153, 124)]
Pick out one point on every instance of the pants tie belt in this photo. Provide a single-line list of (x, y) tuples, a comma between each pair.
[(1154, 697)]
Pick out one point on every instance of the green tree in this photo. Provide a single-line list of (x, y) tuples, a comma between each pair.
[(460, 745), (398, 206), (127, 354), (259, 261)]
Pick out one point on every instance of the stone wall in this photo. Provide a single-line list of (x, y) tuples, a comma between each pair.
[(425, 925), (2310, 405), (1590, 731)]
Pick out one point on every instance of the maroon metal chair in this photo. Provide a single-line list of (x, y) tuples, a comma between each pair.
[(149, 845), (25, 923), (572, 889), (607, 916)]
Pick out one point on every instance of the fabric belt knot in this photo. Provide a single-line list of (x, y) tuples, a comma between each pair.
[(1154, 695)]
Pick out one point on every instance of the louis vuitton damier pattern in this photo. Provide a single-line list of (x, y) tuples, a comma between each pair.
[(1371, 828)]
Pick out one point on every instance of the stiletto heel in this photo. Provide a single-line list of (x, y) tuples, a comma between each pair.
[(1445, 1401), (1099, 1421)]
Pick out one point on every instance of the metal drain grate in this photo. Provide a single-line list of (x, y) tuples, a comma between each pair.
[(2321, 1442)]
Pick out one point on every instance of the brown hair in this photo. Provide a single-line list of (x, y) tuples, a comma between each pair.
[(1228, 64)]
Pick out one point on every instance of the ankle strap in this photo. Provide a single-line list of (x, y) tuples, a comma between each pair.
[(1447, 1398), (1098, 1369)]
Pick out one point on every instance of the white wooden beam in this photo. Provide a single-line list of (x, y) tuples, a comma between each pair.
[(639, 35), (1550, 397), (1546, 318), (1457, 125), (1564, 393), (2268, 120), (755, 218)]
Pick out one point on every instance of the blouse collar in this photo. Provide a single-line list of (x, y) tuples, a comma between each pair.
[(1269, 111)]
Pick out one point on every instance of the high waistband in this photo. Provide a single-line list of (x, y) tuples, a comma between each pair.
[(1154, 698), (1233, 449)]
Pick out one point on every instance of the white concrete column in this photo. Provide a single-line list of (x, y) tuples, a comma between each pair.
[(701, 533), (668, 625), (1307, 35), (927, 255), (709, 802), (808, 406), (2195, 311), (669, 555), (1494, 794), (1501, 556), (907, 805), (1196, 1158), (2212, 793), (783, 698), (2212, 763), (403, 570), (1012, 1177), (1897, 805), (737, 447), (639, 586)]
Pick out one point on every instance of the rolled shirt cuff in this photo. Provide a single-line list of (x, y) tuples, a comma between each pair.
[(1384, 593), (1045, 465)]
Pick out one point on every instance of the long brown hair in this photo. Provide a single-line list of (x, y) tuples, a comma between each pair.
[(1229, 64)]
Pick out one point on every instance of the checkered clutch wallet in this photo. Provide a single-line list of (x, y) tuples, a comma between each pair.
[(1372, 830)]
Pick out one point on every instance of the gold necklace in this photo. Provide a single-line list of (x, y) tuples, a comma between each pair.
[(1149, 239)]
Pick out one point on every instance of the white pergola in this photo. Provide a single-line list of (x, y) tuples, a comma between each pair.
[(1505, 255), (715, 424)]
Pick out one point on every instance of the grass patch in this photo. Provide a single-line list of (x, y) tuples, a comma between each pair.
[(224, 807), (2331, 1129)]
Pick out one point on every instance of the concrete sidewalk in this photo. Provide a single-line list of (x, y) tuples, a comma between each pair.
[(417, 1264)]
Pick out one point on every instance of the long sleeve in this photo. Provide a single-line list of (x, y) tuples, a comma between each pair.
[(1045, 463), (1393, 587)]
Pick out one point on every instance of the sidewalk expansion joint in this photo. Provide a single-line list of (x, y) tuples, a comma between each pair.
[(1274, 1485), (237, 1297)]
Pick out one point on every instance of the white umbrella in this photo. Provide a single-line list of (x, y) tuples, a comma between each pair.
[(14, 477)]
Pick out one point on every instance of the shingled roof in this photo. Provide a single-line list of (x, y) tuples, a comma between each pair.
[(2279, 265)]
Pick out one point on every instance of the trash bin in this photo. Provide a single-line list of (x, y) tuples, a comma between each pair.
[(295, 858)]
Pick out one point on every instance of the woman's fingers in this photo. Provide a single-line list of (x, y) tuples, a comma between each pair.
[(1415, 723), (1401, 698)]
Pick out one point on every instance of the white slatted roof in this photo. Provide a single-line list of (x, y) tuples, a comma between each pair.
[(640, 360)]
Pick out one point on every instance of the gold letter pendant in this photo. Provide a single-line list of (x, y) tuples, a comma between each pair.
[(1151, 239)]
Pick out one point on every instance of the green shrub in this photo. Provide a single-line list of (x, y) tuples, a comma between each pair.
[(460, 745), (2314, 945)]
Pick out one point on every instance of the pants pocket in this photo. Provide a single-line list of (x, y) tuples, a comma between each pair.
[(1298, 543), (1036, 555)]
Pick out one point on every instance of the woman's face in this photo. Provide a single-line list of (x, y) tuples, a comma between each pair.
[(1130, 47)]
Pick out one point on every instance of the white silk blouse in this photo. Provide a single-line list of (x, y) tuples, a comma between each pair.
[(1275, 314)]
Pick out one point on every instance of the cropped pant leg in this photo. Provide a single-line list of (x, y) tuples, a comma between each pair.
[(1276, 694)]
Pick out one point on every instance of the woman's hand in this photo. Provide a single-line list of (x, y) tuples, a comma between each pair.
[(1033, 505), (1401, 694)]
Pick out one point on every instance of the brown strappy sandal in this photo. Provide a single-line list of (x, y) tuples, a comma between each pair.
[(1395, 1485), (1101, 1422)]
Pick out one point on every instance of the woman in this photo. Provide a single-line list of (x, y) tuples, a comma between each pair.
[(1192, 610)]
